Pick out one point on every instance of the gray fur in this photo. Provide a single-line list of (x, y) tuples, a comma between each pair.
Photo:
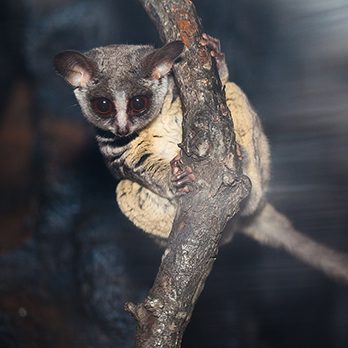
[(119, 70), (118, 73)]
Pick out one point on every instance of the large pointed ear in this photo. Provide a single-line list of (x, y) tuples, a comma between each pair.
[(75, 68), (159, 62)]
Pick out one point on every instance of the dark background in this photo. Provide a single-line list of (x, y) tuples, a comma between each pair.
[(69, 259)]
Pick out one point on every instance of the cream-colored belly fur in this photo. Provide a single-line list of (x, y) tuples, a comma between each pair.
[(155, 214)]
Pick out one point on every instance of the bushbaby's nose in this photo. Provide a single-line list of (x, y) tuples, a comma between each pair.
[(123, 131)]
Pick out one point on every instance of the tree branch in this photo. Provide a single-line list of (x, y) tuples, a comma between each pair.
[(209, 148)]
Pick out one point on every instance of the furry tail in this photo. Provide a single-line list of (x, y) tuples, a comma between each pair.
[(272, 228)]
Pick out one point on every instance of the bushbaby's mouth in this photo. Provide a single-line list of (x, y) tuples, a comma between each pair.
[(122, 140), (117, 139)]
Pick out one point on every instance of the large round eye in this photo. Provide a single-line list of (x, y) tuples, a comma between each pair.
[(138, 104), (103, 107)]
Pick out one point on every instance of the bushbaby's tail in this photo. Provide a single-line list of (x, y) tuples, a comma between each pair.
[(272, 228)]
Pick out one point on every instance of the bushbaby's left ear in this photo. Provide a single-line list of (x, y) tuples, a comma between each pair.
[(159, 62)]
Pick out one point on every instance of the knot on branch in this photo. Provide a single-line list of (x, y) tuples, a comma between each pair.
[(230, 182), (229, 179), (197, 142), (208, 134)]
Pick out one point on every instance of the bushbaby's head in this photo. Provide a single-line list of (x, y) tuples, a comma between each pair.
[(120, 88)]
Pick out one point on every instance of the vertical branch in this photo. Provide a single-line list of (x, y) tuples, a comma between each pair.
[(209, 148)]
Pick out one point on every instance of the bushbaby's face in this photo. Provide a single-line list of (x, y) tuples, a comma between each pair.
[(120, 88)]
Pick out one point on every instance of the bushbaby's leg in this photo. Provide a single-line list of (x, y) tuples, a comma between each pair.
[(147, 210)]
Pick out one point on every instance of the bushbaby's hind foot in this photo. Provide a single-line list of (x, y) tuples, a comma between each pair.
[(182, 176)]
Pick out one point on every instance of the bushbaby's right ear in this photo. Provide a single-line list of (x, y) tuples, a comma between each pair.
[(75, 68)]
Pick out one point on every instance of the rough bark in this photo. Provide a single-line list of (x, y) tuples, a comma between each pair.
[(209, 148)]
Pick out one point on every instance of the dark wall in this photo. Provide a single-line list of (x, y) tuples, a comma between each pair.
[(69, 260)]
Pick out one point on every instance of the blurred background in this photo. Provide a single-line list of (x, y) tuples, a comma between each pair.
[(69, 259)]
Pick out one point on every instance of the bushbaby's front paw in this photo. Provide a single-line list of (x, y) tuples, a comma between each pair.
[(215, 51), (214, 45), (182, 176)]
